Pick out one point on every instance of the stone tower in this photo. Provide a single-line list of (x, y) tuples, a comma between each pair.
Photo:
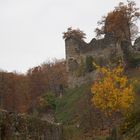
[(73, 49)]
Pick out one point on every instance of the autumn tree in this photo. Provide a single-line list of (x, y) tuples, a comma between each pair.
[(112, 91), (121, 22), (48, 77), (74, 33), (13, 92), (2, 88), (35, 81), (55, 74), (20, 92), (22, 98)]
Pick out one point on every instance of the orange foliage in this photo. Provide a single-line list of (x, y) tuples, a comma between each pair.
[(120, 22), (111, 91), (19, 93), (74, 33)]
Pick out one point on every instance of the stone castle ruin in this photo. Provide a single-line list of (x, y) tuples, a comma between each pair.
[(118, 30), (80, 56)]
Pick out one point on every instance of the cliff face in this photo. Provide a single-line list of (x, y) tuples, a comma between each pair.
[(22, 127)]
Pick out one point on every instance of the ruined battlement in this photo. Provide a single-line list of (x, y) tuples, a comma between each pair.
[(78, 50), (80, 55)]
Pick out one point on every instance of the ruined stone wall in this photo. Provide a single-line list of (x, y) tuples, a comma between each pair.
[(102, 51), (73, 52), (22, 127)]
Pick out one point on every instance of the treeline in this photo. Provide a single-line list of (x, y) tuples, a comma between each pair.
[(20, 92)]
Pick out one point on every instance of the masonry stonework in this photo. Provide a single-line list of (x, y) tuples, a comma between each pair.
[(102, 51)]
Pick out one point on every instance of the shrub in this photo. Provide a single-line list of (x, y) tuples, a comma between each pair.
[(81, 69), (89, 64), (130, 121), (47, 101), (74, 33)]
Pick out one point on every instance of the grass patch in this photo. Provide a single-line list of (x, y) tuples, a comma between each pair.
[(68, 108)]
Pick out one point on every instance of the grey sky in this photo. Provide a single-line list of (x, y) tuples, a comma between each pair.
[(31, 30)]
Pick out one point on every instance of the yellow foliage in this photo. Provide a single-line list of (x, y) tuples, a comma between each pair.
[(111, 91)]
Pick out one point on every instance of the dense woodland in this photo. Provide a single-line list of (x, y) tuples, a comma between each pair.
[(21, 92)]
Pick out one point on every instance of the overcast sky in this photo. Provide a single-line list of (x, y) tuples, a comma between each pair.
[(31, 30)]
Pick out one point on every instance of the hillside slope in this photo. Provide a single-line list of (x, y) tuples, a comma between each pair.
[(73, 110), (81, 120)]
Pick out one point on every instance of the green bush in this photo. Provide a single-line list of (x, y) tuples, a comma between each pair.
[(137, 87), (81, 69), (130, 121), (47, 101), (132, 58), (89, 64), (134, 61)]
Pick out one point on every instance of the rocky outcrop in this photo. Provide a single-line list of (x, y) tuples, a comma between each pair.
[(22, 127)]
